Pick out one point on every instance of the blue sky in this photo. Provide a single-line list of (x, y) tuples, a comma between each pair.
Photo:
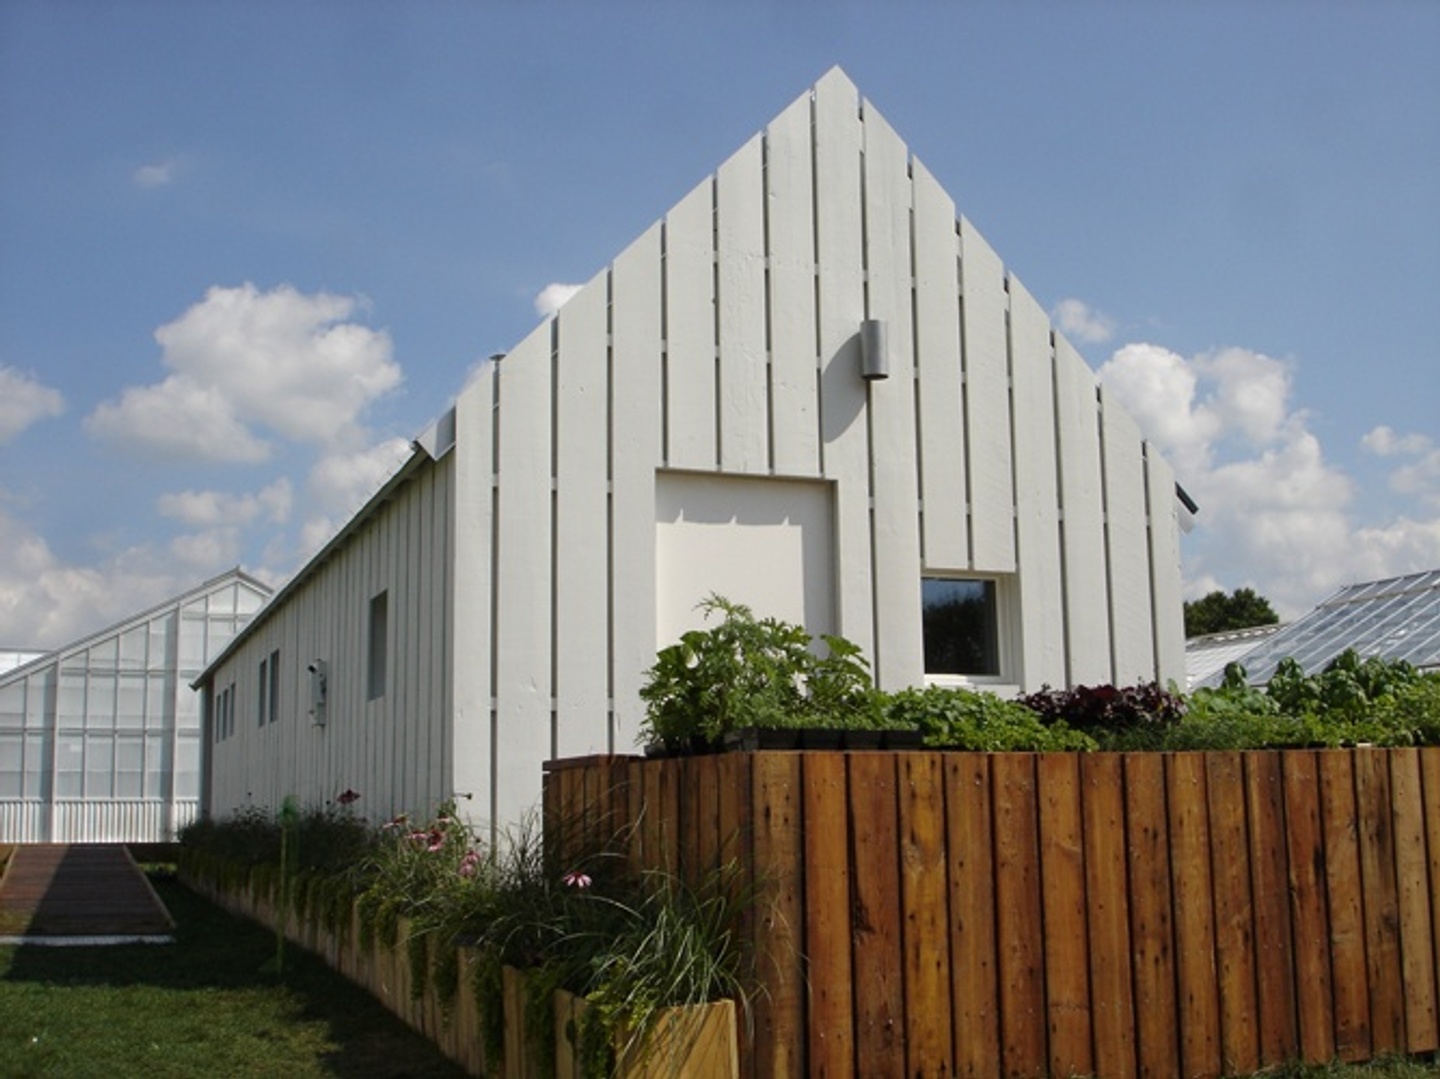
[(247, 251)]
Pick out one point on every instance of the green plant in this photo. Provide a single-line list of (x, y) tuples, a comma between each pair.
[(1106, 708), (748, 672), (958, 718)]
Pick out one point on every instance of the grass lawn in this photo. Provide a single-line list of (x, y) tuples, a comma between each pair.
[(199, 1007)]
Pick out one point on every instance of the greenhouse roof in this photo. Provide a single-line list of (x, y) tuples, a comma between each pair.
[(1395, 619)]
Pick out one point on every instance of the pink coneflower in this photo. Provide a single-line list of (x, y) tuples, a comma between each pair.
[(348, 797), (576, 879), (470, 863)]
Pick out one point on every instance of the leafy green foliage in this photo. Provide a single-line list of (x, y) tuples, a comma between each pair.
[(748, 672), (956, 718), (1217, 612), (1108, 709)]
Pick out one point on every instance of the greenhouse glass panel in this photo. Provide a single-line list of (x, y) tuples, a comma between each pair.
[(133, 644)]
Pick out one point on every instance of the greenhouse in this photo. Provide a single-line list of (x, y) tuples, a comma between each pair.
[(100, 740), (1395, 619)]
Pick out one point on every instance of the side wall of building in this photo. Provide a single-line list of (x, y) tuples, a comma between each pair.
[(387, 740), (725, 342)]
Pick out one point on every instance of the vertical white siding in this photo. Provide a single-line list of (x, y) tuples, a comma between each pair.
[(386, 749), (469, 654), (523, 577), (845, 444), (740, 297), (1037, 497), (1128, 547), (937, 360), (690, 330), (1165, 585), (790, 226), (987, 404), (582, 540), (1087, 608), (899, 648), (635, 439), (725, 342)]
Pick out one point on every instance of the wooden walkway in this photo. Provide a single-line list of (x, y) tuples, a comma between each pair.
[(78, 892)]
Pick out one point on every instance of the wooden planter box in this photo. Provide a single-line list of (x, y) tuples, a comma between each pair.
[(1158, 914), (698, 1042)]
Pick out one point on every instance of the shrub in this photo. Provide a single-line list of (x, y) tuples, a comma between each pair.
[(956, 718), (749, 672), (1108, 709)]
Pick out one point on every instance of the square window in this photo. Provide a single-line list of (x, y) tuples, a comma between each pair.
[(961, 627)]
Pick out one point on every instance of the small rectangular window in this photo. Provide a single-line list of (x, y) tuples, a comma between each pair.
[(961, 627), (378, 644), (262, 694), (274, 685)]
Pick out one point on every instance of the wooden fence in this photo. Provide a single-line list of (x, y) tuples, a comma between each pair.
[(1155, 915)]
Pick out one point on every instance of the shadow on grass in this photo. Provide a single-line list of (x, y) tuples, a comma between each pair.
[(216, 951)]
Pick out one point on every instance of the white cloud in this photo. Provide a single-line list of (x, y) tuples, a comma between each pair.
[(553, 297), (45, 603), (156, 174), (1078, 320), (214, 509), (338, 486), (1420, 476), (243, 359), (1275, 514), (24, 401)]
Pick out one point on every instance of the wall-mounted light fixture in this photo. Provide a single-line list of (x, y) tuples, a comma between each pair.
[(319, 690), (874, 350)]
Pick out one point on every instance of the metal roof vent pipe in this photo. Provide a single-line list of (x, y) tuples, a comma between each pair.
[(874, 350)]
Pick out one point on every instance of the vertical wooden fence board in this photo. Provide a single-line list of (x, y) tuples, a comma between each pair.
[(826, 831), (1417, 942), (924, 908), (1077, 428), (780, 944), (523, 585), (1274, 946), (582, 589), (1107, 892), (705, 830), (1343, 896), (1234, 913), (1382, 913), (690, 401), (987, 404), (875, 891), (899, 653), (1023, 1042), (1151, 909), (1306, 857), (794, 365), (635, 443), (1198, 988), (1037, 495), (1066, 943), (671, 817), (740, 300), (941, 402), (840, 288), (975, 989), (1127, 548), (1430, 801)]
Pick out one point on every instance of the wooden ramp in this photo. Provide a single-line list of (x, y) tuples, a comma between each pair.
[(78, 893)]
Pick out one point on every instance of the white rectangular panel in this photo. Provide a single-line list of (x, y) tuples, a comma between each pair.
[(740, 256)]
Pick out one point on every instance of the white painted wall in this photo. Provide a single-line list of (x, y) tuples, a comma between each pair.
[(723, 343), (396, 750)]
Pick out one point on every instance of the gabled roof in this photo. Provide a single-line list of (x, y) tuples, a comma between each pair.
[(1397, 618), (80, 644)]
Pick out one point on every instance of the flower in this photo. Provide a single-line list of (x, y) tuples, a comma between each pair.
[(470, 863), (347, 797), (576, 879)]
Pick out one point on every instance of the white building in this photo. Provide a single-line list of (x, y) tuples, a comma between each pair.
[(698, 419), (100, 740)]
